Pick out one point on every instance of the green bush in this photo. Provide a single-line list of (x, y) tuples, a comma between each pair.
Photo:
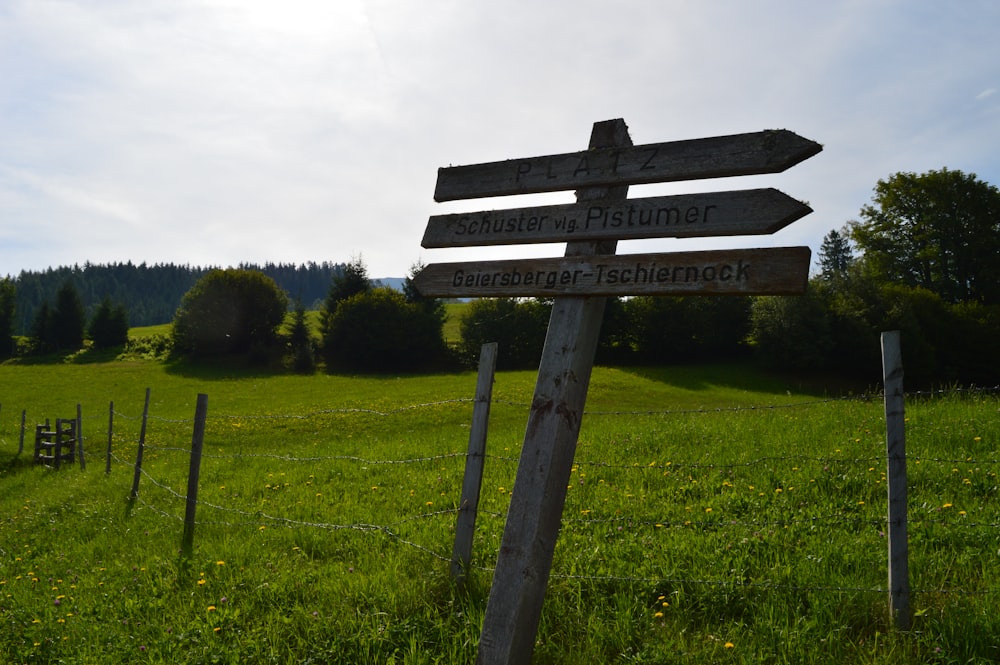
[(517, 326), (378, 331), (230, 312)]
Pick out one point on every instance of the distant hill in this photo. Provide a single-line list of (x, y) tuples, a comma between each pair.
[(391, 282), (152, 293)]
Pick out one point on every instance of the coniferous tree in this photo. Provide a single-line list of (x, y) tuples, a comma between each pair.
[(301, 343), (68, 319), (835, 255), (41, 329), (8, 298), (109, 326)]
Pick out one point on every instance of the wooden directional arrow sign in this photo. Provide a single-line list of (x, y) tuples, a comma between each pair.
[(754, 211), (769, 271), (770, 151)]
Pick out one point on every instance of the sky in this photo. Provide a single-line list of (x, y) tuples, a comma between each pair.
[(220, 132)]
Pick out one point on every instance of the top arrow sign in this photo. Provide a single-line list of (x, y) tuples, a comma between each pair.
[(770, 151)]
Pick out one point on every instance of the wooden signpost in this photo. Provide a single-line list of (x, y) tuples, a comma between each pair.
[(589, 271)]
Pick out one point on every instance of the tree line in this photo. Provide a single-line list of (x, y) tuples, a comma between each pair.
[(150, 293), (923, 258)]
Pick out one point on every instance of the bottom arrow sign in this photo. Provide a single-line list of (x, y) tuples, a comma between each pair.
[(765, 271)]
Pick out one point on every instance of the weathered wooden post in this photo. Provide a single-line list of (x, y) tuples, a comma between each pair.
[(897, 529), (579, 280), (194, 470), (111, 425), (472, 481), (79, 437), (138, 455)]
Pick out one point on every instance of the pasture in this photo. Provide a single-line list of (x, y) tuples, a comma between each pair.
[(714, 515)]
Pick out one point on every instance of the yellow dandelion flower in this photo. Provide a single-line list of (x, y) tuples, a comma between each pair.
[(729, 645), (211, 608)]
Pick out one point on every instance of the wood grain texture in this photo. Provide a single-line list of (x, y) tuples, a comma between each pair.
[(764, 271), (769, 151)]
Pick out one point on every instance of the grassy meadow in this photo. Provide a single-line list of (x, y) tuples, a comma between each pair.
[(715, 515)]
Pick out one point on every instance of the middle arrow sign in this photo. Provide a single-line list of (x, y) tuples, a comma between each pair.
[(748, 212)]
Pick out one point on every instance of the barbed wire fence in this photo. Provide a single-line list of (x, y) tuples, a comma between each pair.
[(164, 497)]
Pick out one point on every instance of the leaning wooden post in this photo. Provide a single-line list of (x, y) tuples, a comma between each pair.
[(59, 443), (515, 602), (79, 437), (138, 455), (20, 441), (461, 555), (197, 441), (899, 567), (111, 424)]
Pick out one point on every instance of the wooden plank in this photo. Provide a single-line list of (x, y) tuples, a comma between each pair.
[(747, 212), (472, 480), (765, 271), (522, 572), (897, 528), (769, 151)]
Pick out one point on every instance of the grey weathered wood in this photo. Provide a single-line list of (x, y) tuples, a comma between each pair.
[(138, 455), (747, 212), (899, 567), (769, 151), (111, 427), (79, 437), (194, 470), (472, 481), (526, 549), (765, 271)]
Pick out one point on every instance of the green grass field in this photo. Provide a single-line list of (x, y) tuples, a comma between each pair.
[(714, 515)]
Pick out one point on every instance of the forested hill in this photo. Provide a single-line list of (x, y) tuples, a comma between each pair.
[(152, 293)]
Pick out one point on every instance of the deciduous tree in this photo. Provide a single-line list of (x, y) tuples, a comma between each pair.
[(938, 230)]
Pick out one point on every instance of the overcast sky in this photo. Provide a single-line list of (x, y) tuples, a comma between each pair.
[(215, 132)]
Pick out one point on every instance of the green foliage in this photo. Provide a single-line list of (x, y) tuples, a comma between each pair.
[(517, 326), (836, 327), (376, 330), (680, 329), (151, 293), (353, 279), (230, 312), (109, 325), (68, 319), (8, 299), (41, 329), (835, 255), (301, 343), (939, 230), (792, 333), (153, 346)]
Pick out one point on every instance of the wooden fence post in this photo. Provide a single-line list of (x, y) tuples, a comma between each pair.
[(59, 443), (79, 437), (472, 482), (111, 424), (899, 568), (197, 441), (138, 455)]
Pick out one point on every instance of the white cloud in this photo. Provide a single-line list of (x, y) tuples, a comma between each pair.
[(212, 131)]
